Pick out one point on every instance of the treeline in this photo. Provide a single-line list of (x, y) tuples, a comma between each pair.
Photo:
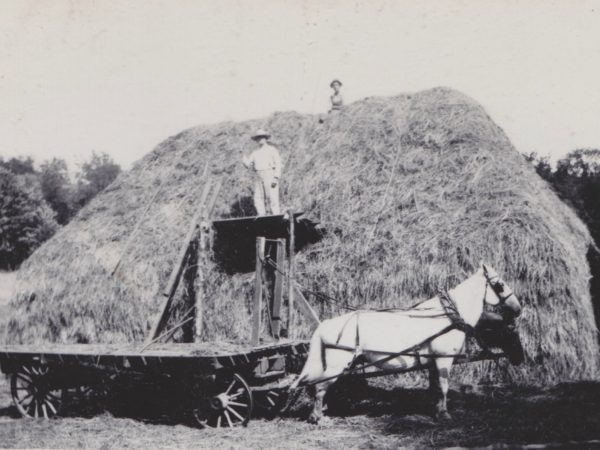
[(34, 203), (576, 179)]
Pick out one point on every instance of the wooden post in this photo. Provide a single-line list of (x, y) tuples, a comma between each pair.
[(203, 246), (305, 307), (278, 289), (292, 244), (258, 285), (189, 292)]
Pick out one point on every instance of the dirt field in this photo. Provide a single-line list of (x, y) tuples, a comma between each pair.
[(385, 418)]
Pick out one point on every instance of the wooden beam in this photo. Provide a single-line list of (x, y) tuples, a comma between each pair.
[(278, 289), (213, 198), (137, 226), (258, 286), (176, 274), (291, 244), (305, 307), (199, 277), (189, 292), (180, 263), (166, 306)]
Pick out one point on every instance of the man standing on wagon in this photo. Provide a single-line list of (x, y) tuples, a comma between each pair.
[(265, 161)]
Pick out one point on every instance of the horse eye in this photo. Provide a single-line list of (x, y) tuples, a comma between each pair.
[(499, 286)]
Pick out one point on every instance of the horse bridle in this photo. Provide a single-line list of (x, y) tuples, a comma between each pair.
[(497, 287)]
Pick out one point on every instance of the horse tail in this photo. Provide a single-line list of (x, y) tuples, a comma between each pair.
[(315, 363)]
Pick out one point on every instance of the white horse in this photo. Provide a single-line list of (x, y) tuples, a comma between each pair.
[(434, 327)]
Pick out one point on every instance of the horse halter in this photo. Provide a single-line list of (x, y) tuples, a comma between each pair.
[(497, 285)]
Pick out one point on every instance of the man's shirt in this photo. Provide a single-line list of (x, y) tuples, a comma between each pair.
[(264, 158)]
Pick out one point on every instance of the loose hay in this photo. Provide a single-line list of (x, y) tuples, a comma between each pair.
[(414, 190)]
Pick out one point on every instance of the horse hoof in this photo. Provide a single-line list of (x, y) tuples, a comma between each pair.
[(443, 416)]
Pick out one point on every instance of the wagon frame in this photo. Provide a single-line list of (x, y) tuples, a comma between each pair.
[(218, 384)]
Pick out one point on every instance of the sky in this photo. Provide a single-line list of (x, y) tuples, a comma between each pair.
[(120, 76)]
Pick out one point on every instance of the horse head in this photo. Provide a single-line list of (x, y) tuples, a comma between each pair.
[(499, 293)]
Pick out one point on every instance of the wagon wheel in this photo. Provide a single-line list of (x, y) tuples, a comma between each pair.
[(232, 405), (32, 393), (270, 402)]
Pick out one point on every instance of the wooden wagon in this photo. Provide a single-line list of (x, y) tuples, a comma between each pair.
[(217, 383)]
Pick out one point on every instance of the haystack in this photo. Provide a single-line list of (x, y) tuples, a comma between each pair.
[(414, 191)]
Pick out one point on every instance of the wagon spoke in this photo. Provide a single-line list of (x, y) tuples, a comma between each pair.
[(228, 419), (44, 410), (243, 405), (237, 394), (53, 395), (51, 406), (219, 422), (24, 377), (230, 386), (22, 400), (235, 413)]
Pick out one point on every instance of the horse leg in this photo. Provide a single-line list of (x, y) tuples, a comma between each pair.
[(337, 362), (442, 367), (434, 385), (319, 392)]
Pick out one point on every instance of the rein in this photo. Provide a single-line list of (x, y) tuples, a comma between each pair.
[(450, 311)]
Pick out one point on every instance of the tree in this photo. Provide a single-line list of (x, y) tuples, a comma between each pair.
[(94, 176), (25, 220), (57, 189), (18, 166), (541, 164)]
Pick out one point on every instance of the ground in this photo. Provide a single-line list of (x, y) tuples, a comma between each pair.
[(385, 416)]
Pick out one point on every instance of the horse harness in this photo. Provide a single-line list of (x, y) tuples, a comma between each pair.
[(450, 310)]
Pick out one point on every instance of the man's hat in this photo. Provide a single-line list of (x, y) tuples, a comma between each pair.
[(335, 81), (259, 134)]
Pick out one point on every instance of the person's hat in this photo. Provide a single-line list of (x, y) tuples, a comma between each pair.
[(259, 134), (335, 81)]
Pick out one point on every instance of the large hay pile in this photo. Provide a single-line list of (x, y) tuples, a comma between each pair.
[(414, 190)]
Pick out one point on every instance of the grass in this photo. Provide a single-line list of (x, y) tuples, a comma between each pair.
[(414, 190), (382, 419)]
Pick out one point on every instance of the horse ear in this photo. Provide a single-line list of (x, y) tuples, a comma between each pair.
[(485, 269)]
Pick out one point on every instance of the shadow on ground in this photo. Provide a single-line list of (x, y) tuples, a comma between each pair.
[(372, 416)]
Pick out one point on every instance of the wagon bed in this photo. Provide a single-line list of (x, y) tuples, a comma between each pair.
[(203, 356)]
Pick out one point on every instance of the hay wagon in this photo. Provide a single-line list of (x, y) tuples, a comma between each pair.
[(214, 384), (218, 383)]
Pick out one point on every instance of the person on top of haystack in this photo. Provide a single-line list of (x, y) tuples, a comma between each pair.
[(266, 163), (336, 99)]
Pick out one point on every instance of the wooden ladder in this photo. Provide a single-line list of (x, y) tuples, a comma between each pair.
[(187, 258)]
